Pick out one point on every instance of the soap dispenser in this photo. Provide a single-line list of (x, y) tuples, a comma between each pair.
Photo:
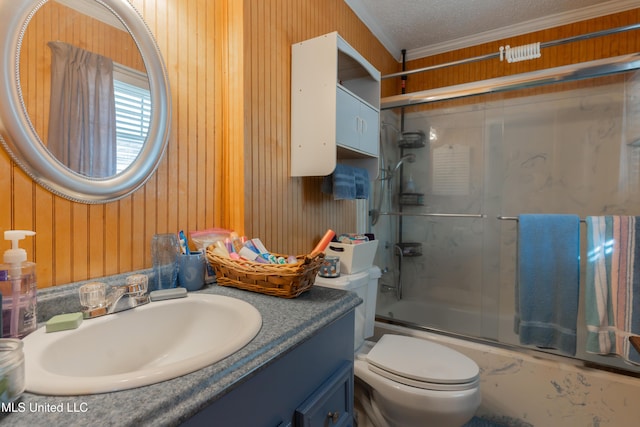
[(411, 185), (18, 286)]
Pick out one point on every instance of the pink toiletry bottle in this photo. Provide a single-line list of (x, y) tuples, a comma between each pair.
[(18, 286)]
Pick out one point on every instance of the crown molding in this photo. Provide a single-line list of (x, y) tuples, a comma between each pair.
[(369, 21)]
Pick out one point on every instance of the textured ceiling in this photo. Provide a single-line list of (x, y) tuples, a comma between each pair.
[(424, 27)]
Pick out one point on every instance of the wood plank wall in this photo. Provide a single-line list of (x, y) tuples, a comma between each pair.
[(290, 214)]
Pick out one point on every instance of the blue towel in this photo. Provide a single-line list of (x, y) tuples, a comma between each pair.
[(347, 183), (548, 281), (362, 183)]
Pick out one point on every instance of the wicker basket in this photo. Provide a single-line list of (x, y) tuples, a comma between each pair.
[(281, 280)]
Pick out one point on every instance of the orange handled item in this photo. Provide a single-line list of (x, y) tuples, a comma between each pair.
[(323, 243)]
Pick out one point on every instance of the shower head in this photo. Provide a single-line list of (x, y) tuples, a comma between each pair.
[(410, 158)]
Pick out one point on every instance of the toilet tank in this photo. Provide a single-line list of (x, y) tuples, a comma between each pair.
[(365, 285)]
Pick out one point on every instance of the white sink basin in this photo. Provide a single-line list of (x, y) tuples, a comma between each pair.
[(148, 344)]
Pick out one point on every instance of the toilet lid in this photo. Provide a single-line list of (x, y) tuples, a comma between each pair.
[(421, 363)]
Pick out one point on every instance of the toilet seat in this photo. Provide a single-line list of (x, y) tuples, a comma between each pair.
[(422, 364)]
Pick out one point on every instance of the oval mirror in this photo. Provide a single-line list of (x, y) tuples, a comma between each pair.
[(85, 105)]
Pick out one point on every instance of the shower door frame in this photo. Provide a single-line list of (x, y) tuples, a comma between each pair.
[(574, 72)]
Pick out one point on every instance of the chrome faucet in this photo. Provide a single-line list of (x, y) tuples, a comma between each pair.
[(125, 297), (120, 298)]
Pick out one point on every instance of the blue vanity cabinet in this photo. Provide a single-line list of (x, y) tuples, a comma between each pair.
[(297, 388), (332, 404)]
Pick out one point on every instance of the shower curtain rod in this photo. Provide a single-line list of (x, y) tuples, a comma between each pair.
[(582, 70), (551, 43)]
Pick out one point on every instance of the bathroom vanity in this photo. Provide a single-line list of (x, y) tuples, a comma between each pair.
[(297, 370)]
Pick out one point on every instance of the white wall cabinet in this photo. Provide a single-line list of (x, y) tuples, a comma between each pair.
[(357, 124), (335, 107)]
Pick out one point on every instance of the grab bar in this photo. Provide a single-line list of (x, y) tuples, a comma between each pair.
[(445, 215)]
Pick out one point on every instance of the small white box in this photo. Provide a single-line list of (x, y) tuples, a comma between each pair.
[(353, 258)]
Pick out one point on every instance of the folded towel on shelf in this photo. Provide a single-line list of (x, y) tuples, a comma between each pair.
[(347, 183), (362, 183), (612, 286), (548, 281)]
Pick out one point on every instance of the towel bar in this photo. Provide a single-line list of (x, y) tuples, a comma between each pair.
[(515, 218), (442, 215)]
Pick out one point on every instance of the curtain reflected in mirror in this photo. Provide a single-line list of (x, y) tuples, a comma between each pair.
[(82, 123), (93, 134)]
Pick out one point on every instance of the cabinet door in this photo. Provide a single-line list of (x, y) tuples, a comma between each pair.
[(369, 133), (332, 404), (347, 119)]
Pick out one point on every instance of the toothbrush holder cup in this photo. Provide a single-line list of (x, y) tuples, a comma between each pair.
[(191, 270)]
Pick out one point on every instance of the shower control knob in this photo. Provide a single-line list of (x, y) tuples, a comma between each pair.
[(334, 416)]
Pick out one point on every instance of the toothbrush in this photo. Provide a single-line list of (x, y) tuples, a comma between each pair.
[(184, 245)]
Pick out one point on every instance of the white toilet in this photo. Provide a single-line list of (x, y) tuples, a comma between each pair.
[(403, 381)]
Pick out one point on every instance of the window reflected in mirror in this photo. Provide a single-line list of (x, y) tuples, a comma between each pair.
[(133, 113)]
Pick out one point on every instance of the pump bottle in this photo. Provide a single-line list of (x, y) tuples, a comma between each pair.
[(18, 286)]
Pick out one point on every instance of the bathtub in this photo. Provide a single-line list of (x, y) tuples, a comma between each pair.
[(522, 389), (462, 319)]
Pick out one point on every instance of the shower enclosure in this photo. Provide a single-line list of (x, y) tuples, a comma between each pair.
[(445, 208)]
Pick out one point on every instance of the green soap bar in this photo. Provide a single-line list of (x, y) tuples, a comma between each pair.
[(62, 322)]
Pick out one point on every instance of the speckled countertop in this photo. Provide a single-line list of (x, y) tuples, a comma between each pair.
[(285, 324)]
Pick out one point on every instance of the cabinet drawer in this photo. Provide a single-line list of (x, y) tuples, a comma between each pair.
[(331, 405)]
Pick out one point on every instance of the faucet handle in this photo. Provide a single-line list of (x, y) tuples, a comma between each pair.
[(93, 299), (93, 295), (137, 284)]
